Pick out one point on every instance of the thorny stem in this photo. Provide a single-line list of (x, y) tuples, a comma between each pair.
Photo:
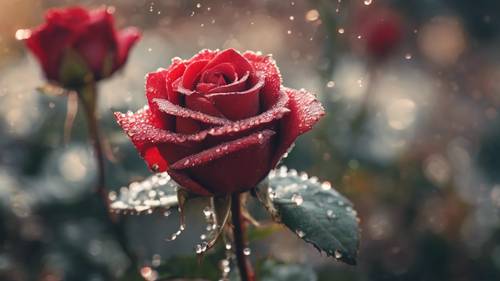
[(88, 97), (244, 266)]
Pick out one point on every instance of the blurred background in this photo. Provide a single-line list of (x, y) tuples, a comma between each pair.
[(411, 136)]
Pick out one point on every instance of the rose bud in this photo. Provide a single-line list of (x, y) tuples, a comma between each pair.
[(220, 121), (76, 46)]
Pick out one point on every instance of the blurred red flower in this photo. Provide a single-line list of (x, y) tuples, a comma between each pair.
[(75, 45), (378, 29)]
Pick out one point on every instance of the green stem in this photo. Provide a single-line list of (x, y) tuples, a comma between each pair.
[(88, 96), (240, 243)]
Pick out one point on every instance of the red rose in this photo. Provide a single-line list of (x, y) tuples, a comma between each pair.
[(380, 30), (220, 121), (75, 45)]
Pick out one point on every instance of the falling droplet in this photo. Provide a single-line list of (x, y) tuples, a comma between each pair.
[(228, 246), (330, 84), (312, 15), (289, 32), (341, 30), (408, 56), (198, 5), (156, 260), (291, 17)]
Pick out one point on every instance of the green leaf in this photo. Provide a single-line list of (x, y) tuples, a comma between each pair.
[(156, 193), (313, 210), (271, 270)]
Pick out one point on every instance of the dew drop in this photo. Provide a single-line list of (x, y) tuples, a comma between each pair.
[(297, 199), (247, 251), (112, 195), (198, 5), (330, 214), (300, 233), (330, 84), (326, 185), (291, 17), (228, 246), (408, 56), (367, 2), (338, 254), (341, 30), (207, 212)]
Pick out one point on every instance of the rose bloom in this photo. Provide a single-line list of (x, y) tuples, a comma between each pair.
[(220, 121), (380, 29), (76, 46)]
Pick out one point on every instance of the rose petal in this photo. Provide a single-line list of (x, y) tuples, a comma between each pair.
[(175, 110), (203, 88), (232, 166), (266, 64), (186, 182), (47, 43), (221, 150), (238, 105), (150, 152), (97, 42), (226, 69), (146, 132), (187, 126), (174, 72), (237, 86), (157, 155), (156, 88), (199, 102), (305, 111), (126, 38), (70, 17), (191, 74), (241, 64)]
